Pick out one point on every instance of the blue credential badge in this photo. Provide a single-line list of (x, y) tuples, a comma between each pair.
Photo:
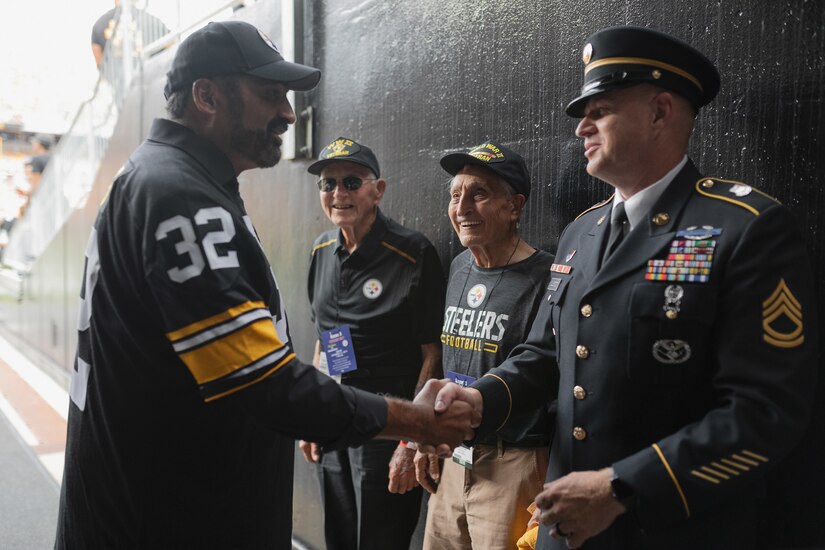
[(340, 352), (462, 380)]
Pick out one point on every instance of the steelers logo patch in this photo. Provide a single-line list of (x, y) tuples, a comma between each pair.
[(373, 289), (268, 41), (476, 295)]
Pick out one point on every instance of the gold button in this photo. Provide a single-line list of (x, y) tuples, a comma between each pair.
[(582, 352), (671, 314), (657, 74), (587, 310), (661, 218), (579, 392), (707, 184), (579, 433), (587, 53)]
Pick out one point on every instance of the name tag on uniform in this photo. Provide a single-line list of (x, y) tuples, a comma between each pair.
[(463, 455), (340, 353), (462, 380)]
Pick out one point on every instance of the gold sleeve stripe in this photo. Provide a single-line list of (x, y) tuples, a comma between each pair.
[(286, 360), (747, 207), (232, 352), (703, 476), (748, 461), (216, 332), (724, 468), (644, 61), (714, 472), (399, 252), (322, 245), (597, 205), (754, 455), (735, 464), (509, 396), (672, 477), (214, 320)]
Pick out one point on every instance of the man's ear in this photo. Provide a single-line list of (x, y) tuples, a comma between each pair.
[(381, 186), (663, 107), (204, 93), (517, 204)]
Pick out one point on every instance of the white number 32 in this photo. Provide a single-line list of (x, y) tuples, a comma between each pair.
[(188, 245)]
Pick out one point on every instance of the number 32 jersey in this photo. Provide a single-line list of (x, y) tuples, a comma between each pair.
[(181, 331)]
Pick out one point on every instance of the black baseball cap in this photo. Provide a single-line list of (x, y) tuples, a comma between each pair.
[(624, 56), (235, 47), (503, 161), (345, 149)]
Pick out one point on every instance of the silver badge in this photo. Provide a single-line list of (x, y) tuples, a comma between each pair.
[(697, 233), (673, 300), (671, 352)]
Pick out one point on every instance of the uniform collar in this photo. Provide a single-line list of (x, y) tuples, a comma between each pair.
[(638, 206), (204, 152), (371, 240)]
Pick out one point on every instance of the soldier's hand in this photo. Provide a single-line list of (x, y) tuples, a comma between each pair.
[(312, 453), (402, 471), (427, 471), (579, 506), (442, 395)]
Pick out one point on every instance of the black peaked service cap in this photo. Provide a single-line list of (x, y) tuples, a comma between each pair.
[(624, 56), (503, 161), (348, 150), (235, 47)]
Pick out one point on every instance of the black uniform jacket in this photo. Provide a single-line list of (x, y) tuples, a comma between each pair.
[(692, 391)]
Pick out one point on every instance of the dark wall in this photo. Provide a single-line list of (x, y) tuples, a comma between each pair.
[(415, 80)]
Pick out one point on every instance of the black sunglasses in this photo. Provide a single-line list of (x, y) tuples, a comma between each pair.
[(350, 183)]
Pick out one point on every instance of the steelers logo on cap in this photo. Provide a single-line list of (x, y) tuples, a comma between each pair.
[(267, 40), (476, 295), (372, 289)]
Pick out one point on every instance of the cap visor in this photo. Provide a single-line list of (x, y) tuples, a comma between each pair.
[(317, 166), (454, 162), (296, 76)]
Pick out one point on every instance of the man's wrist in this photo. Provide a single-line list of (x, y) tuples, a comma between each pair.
[(621, 491)]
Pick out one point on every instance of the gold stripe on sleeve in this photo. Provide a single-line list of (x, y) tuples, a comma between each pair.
[(509, 396), (735, 464), (672, 477), (286, 360), (703, 476), (741, 458), (754, 455), (232, 352), (214, 320), (399, 252)]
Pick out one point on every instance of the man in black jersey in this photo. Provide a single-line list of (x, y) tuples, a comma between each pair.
[(186, 394)]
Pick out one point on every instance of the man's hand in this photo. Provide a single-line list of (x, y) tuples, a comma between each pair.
[(312, 453), (427, 471), (402, 471), (579, 506), (442, 395)]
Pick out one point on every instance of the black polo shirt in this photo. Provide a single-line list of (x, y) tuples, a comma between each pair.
[(186, 395), (389, 292)]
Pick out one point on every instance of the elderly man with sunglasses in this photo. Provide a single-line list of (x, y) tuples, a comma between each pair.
[(377, 295)]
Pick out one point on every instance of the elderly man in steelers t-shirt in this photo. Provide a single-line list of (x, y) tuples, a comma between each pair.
[(493, 294)]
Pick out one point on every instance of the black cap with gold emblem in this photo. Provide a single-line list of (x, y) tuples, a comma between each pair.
[(624, 56), (503, 161), (345, 149)]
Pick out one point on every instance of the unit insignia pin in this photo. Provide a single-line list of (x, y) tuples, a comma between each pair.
[(671, 352)]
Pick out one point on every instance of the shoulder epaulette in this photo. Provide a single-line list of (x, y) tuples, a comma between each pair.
[(597, 205), (735, 192), (323, 244)]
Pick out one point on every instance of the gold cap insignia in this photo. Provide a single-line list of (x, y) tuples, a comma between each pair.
[(661, 218), (657, 74), (782, 303), (587, 53)]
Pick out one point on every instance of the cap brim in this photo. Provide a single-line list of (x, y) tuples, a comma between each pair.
[(454, 162), (294, 75), (316, 167), (576, 107)]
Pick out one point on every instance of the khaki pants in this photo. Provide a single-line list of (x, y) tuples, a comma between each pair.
[(485, 508)]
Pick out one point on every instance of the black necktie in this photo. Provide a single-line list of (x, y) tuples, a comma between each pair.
[(619, 227)]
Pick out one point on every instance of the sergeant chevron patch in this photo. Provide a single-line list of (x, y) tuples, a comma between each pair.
[(782, 318)]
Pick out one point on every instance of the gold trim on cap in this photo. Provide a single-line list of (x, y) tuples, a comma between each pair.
[(644, 61)]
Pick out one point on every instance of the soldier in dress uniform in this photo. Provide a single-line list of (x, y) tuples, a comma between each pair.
[(681, 316)]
